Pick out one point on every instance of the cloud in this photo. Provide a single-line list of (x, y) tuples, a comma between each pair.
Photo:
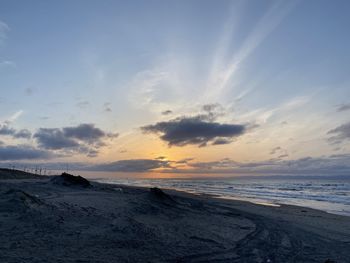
[(107, 107), (275, 150), (223, 163), (167, 112), (133, 165), (84, 132), (340, 133), (193, 130), (211, 107), (84, 138), (326, 165), (282, 153), (148, 86), (54, 139), (24, 133), (333, 165), (263, 115), (6, 130), (343, 107), (212, 111), (92, 153), (23, 152), (221, 141), (83, 104), (15, 116), (184, 161), (129, 165), (224, 70)]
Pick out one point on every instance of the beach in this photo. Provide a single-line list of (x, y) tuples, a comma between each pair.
[(54, 219)]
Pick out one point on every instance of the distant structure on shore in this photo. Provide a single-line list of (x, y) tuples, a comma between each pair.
[(37, 169)]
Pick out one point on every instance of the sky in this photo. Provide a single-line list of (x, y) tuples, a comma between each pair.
[(200, 87)]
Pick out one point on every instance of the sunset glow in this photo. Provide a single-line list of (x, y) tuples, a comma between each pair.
[(234, 87)]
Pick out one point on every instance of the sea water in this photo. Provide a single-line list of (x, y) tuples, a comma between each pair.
[(328, 194)]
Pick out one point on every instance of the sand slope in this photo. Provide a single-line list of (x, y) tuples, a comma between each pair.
[(42, 221)]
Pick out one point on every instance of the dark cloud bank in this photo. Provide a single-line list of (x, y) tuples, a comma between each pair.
[(59, 138), (326, 165), (54, 142), (8, 131), (333, 165), (195, 130), (133, 165), (23, 152), (54, 139), (343, 107), (340, 133), (84, 138)]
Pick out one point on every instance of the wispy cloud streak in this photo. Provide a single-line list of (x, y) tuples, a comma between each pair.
[(222, 71)]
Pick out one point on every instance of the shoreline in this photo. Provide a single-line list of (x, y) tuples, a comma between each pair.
[(253, 200), (118, 223), (281, 212)]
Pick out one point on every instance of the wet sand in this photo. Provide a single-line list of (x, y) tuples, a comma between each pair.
[(44, 220)]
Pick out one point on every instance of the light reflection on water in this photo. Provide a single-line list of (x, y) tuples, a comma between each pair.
[(328, 194)]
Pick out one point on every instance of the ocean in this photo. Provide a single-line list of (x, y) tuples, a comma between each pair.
[(328, 194)]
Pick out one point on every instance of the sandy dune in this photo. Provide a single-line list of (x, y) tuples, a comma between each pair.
[(45, 220)]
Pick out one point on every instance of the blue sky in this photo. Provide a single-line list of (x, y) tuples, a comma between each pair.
[(277, 69)]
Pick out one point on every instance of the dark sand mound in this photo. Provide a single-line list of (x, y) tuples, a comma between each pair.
[(50, 222), (159, 195), (16, 174), (16, 200), (70, 180)]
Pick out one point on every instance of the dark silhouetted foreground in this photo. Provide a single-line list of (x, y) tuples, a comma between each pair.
[(53, 220)]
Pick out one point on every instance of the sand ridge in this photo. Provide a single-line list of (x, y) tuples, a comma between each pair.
[(42, 221)]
